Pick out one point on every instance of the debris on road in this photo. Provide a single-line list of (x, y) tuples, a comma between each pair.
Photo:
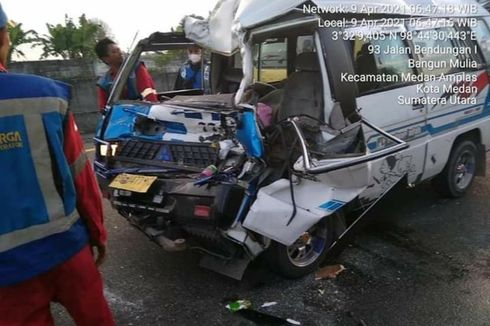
[(243, 308), (238, 305), (329, 272)]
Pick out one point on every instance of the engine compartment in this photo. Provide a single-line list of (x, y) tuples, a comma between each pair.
[(212, 162)]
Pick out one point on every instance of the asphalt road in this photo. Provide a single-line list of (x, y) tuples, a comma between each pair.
[(423, 260)]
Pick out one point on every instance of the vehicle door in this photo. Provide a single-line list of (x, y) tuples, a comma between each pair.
[(394, 101)]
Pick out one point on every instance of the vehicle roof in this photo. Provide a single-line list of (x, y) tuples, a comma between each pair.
[(232, 18), (484, 3), (255, 12), (165, 41)]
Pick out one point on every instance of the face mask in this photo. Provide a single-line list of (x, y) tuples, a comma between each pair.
[(195, 58)]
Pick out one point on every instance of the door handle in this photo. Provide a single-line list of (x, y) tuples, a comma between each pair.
[(417, 104)]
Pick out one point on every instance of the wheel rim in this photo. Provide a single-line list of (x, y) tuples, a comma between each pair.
[(306, 249), (465, 170)]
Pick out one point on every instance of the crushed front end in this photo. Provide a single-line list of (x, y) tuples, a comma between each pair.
[(185, 172)]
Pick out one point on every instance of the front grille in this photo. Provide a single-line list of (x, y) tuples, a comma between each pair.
[(193, 155), (140, 150), (188, 154)]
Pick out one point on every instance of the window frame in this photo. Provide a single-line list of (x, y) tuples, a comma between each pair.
[(463, 43), (259, 47), (482, 58), (417, 71)]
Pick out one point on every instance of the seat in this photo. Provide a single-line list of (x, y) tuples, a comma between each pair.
[(303, 90), (365, 66), (231, 80)]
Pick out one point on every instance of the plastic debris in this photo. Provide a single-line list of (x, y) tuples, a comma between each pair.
[(243, 308), (268, 304), (329, 272), (238, 305), (225, 147), (203, 181), (207, 175), (209, 171), (264, 113), (293, 322)]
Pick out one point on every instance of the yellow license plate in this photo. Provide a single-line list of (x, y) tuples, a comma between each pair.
[(131, 182)]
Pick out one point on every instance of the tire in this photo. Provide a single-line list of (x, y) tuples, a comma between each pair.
[(288, 262), (459, 172)]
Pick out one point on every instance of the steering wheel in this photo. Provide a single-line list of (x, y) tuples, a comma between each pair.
[(262, 88)]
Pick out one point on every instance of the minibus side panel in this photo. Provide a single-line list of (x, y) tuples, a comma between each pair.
[(393, 105), (458, 103)]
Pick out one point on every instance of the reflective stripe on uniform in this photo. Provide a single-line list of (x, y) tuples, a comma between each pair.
[(36, 232), (38, 196), (79, 165), (38, 144), (32, 110), (38, 105)]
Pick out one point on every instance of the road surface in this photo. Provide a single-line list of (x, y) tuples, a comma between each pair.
[(424, 260)]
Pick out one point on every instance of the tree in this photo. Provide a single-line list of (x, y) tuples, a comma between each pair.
[(72, 41), (19, 37)]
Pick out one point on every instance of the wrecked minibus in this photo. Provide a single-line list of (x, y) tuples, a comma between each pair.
[(302, 123)]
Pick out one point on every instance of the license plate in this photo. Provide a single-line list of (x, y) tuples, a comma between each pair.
[(131, 182)]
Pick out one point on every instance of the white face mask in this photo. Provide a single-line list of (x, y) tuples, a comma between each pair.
[(195, 58)]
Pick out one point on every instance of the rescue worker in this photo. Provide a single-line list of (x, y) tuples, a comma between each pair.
[(140, 85), (192, 74), (51, 211)]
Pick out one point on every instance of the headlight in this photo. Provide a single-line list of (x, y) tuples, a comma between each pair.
[(103, 149)]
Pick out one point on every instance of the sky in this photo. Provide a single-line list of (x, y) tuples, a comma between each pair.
[(123, 17)]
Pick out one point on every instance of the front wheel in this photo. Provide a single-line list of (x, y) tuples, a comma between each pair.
[(303, 257), (460, 170)]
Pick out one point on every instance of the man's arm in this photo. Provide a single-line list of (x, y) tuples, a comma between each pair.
[(145, 84), (102, 98), (89, 203)]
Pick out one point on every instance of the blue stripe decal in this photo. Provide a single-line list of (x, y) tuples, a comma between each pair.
[(431, 130), (332, 205), (17, 86), (19, 180), (437, 117), (193, 115), (436, 130)]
